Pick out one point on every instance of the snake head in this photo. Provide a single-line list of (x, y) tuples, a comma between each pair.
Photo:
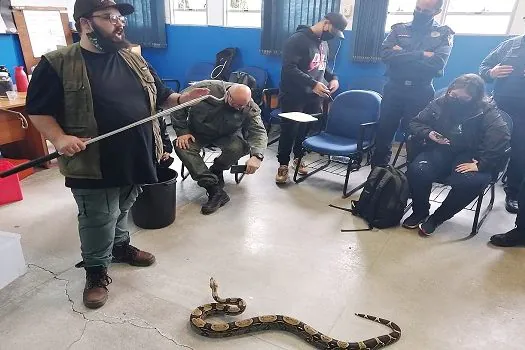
[(213, 284)]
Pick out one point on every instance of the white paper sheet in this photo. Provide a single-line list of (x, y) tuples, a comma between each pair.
[(298, 117), (45, 29)]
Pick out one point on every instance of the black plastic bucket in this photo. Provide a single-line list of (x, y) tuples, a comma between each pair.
[(155, 207)]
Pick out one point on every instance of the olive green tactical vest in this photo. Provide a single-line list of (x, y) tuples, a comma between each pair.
[(78, 117)]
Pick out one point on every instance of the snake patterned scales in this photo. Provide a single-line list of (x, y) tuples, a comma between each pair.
[(236, 306)]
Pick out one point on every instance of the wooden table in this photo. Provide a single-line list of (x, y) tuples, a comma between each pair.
[(19, 139)]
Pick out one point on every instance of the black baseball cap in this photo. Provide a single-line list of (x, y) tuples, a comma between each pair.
[(339, 22), (86, 7)]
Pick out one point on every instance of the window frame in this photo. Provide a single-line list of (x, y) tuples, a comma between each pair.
[(442, 17), (172, 5), (228, 10)]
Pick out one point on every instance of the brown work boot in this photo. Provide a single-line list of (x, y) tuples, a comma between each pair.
[(126, 253), (96, 291), (282, 174), (303, 170)]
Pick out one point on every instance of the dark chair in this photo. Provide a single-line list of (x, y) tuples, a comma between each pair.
[(497, 175), (271, 110), (170, 81), (198, 72), (349, 132), (260, 75), (261, 78)]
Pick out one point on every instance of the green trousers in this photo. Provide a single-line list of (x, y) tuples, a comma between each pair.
[(103, 221), (233, 148)]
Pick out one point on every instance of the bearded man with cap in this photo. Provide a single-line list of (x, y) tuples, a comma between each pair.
[(91, 88), (305, 81)]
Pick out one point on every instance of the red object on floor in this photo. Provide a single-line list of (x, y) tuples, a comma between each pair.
[(21, 80), (24, 173), (10, 190)]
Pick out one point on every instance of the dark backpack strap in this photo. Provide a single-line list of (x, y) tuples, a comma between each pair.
[(352, 210)]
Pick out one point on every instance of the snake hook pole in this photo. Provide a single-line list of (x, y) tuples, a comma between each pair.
[(55, 155)]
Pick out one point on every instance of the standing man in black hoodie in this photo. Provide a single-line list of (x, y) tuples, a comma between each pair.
[(305, 80)]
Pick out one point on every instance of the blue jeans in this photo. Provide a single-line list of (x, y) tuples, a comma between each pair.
[(102, 221), (438, 165)]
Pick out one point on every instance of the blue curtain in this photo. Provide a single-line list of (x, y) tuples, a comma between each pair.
[(147, 25), (369, 29), (280, 19)]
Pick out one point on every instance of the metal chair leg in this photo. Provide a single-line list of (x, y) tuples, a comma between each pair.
[(304, 177), (183, 175), (399, 151), (479, 218), (347, 177)]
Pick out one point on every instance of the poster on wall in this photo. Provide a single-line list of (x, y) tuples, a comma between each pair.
[(46, 32), (7, 24)]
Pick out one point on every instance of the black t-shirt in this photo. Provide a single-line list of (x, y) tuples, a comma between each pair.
[(118, 100)]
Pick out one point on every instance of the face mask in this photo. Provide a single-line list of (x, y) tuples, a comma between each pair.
[(326, 36), (421, 19), (104, 44), (457, 107)]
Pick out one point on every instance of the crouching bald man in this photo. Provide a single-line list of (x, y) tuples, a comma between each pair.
[(233, 125)]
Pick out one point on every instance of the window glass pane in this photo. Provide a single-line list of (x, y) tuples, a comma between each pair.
[(246, 5), (472, 24), (481, 5), (244, 19), (191, 4), (190, 17), (393, 19), (401, 5)]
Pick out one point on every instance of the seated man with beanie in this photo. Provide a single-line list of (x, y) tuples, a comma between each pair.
[(233, 125), (88, 89)]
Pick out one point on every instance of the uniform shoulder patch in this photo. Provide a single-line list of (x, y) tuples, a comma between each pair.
[(397, 26)]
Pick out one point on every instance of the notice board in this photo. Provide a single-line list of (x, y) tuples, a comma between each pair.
[(41, 30)]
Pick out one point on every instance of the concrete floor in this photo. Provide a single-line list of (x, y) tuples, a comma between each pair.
[(279, 248)]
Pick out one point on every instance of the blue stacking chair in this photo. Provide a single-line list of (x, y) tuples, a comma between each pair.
[(199, 71), (349, 132), (271, 110), (260, 75)]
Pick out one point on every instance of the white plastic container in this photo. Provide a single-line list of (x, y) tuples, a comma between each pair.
[(11, 258)]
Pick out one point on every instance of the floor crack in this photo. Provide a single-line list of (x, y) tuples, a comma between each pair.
[(146, 324), (81, 335)]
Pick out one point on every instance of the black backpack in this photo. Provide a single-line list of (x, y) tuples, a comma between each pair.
[(383, 200), (243, 78), (223, 63)]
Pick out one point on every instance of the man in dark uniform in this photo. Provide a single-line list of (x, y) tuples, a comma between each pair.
[(414, 53), (506, 67)]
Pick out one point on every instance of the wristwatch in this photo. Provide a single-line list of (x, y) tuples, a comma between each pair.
[(258, 156)]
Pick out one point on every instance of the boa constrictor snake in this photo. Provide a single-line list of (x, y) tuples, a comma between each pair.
[(236, 306)]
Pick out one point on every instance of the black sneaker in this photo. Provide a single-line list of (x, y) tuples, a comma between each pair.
[(511, 205), (413, 221), (217, 198), (513, 238), (430, 225), (219, 174)]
